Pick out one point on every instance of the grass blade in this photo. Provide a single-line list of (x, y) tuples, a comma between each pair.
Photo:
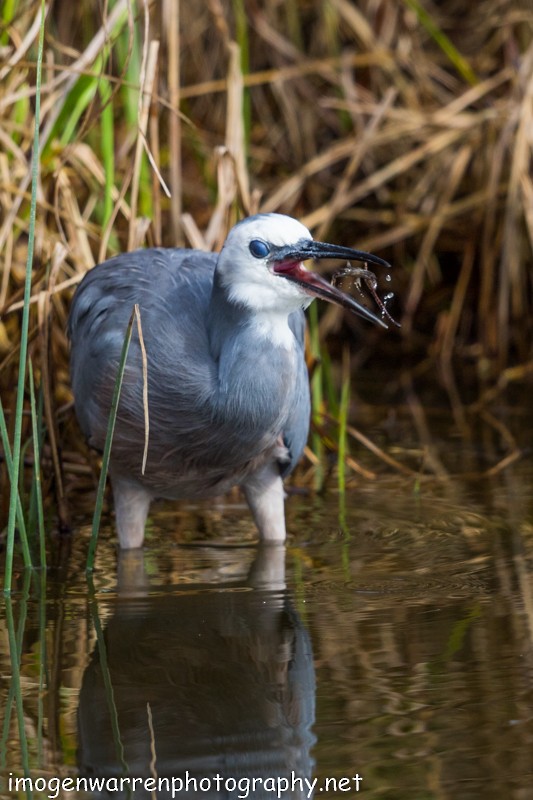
[(108, 442), (17, 436), (317, 396), (37, 470), (241, 25), (14, 488), (32, 521), (81, 97), (108, 147), (8, 12), (342, 443), (448, 48)]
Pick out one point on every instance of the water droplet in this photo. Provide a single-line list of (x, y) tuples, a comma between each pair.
[(388, 297), (388, 277)]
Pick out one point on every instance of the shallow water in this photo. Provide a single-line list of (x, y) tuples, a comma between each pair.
[(393, 642)]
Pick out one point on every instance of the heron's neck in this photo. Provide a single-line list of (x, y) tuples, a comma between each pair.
[(255, 357), (229, 322)]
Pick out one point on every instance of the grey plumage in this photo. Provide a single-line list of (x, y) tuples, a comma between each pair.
[(228, 393)]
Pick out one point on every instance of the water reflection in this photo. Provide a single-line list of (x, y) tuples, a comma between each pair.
[(200, 682), (420, 611)]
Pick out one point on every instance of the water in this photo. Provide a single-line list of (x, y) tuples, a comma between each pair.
[(393, 642)]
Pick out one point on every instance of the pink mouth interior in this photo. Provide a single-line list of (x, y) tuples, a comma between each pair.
[(294, 267)]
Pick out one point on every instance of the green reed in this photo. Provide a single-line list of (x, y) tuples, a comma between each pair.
[(108, 442), (14, 487), (456, 58), (37, 494), (342, 442), (19, 400)]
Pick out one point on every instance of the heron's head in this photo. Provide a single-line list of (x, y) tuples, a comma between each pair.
[(261, 266)]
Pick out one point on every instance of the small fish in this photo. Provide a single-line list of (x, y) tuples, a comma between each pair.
[(361, 274)]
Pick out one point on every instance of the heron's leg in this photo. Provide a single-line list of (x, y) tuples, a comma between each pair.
[(265, 496), (131, 509)]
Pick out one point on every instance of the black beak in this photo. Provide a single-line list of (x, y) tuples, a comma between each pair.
[(287, 262)]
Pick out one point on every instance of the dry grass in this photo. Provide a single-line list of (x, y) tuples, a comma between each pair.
[(406, 133)]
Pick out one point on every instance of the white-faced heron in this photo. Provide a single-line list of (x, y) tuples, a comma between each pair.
[(228, 389)]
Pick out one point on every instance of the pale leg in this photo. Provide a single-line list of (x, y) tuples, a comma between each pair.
[(131, 509), (265, 496)]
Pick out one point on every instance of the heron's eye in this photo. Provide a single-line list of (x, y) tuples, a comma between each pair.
[(259, 249)]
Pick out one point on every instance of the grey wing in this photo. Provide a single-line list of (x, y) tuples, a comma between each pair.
[(296, 430), (94, 345), (167, 284)]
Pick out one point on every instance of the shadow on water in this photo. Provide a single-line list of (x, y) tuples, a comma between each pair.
[(397, 647), (210, 688)]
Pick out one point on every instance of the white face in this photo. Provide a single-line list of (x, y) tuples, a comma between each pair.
[(248, 278)]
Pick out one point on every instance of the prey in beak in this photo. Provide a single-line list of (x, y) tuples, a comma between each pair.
[(286, 261)]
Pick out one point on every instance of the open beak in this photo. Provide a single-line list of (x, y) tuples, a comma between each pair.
[(287, 260)]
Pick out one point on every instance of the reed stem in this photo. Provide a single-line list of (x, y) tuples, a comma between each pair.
[(108, 442), (19, 403)]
